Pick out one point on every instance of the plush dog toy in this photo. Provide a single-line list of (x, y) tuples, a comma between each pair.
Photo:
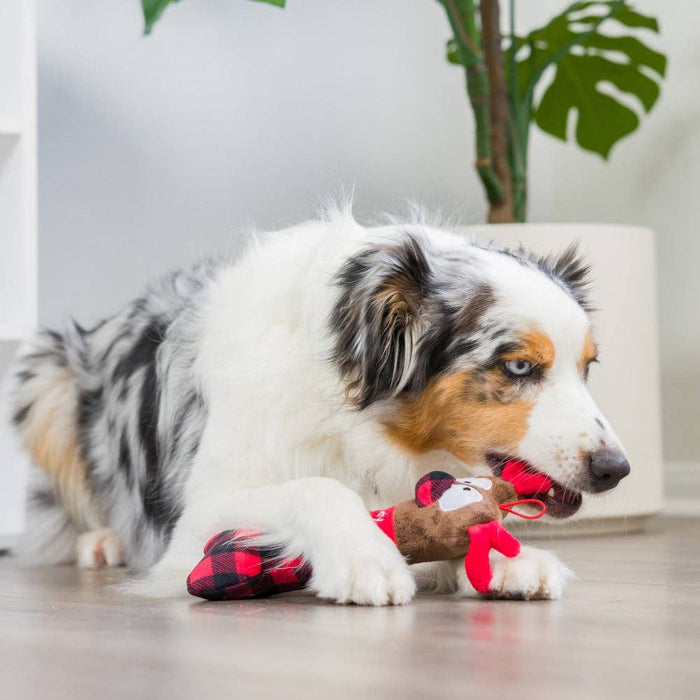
[(448, 518)]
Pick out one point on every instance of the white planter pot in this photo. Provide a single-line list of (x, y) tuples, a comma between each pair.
[(626, 384)]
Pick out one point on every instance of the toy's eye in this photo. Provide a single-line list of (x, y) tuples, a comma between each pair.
[(479, 481), (518, 368), (458, 496)]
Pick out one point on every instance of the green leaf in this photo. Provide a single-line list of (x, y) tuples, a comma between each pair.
[(452, 53), (153, 9), (276, 3), (626, 15), (638, 53), (585, 60), (601, 119)]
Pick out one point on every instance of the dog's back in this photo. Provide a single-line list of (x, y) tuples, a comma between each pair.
[(112, 416)]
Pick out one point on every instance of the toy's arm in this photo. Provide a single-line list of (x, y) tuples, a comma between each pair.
[(482, 539)]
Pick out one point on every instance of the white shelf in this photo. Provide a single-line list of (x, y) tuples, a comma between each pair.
[(10, 128), (18, 227), (18, 239)]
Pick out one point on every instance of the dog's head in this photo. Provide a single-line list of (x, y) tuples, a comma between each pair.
[(481, 352)]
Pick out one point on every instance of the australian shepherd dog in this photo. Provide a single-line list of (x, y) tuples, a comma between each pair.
[(317, 376)]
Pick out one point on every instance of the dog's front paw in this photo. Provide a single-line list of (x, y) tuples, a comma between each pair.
[(534, 574), (372, 574)]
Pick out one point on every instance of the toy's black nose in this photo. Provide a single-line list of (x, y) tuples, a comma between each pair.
[(607, 468)]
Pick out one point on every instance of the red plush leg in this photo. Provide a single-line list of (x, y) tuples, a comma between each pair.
[(483, 538), (235, 567)]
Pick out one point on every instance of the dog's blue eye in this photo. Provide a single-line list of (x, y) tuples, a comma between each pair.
[(518, 368)]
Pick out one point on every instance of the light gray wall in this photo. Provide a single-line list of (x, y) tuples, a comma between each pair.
[(654, 180), (154, 150)]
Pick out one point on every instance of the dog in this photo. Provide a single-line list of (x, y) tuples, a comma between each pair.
[(312, 379)]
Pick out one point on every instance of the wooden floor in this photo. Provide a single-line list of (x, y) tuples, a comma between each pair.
[(628, 628)]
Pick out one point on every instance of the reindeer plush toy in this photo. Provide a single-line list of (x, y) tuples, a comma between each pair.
[(448, 518)]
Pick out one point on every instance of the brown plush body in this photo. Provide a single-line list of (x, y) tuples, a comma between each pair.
[(434, 526)]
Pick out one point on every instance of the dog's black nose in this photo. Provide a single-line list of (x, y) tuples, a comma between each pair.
[(607, 468)]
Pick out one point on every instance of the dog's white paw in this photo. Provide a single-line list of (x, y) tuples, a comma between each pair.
[(373, 574), (535, 574), (98, 548)]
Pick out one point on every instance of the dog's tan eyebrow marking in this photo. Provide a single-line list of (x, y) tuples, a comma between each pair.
[(535, 346), (590, 351)]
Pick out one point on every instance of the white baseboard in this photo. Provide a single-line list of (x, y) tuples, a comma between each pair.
[(682, 489)]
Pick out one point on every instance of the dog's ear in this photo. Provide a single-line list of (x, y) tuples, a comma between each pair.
[(572, 270), (376, 321), (431, 486)]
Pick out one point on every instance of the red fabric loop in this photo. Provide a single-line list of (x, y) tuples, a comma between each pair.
[(508, 507)]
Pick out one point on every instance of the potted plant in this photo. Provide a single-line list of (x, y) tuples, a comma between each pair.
[(580, 63), (510, 89)]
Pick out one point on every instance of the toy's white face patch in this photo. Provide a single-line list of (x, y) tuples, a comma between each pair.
[(460, 494)]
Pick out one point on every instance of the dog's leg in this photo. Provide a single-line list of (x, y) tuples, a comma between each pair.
[(535, 574), (438, 576), (318, 518), (99, 548)]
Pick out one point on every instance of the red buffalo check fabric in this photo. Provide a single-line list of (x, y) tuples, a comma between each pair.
[(235, 567)]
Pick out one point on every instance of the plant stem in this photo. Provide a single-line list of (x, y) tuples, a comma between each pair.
[(518, 127), (501, 211), (517, 156), (462, 17)]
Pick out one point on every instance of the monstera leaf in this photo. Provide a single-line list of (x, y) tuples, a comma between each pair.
[(591, 70), (153, 9)]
